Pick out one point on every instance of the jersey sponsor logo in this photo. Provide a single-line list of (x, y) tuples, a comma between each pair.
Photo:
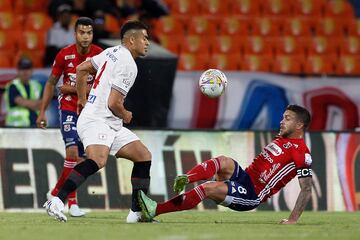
[(111, 56), (274, 149), (308, 159), (70, 65), (267, 156), (72, 56), (296, 146), (264, 176), (91, 98), (304, 172)]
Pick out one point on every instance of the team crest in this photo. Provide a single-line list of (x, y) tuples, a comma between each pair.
[(67, 128), (308, 159)]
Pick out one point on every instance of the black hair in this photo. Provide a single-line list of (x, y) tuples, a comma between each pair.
[(84, 21), (132, 25), (302, 114)]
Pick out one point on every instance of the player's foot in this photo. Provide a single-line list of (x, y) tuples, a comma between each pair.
[(75, 211), (49, 196), (55, 208), (148, 207), (134, 217), (180, 183)]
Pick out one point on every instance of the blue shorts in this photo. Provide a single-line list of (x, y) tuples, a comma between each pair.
[(69, 132), (241, 194)]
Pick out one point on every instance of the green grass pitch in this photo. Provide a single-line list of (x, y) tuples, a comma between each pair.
[(182, 226)]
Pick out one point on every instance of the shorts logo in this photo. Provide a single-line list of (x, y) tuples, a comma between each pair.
[(102, 136), (67, 128)]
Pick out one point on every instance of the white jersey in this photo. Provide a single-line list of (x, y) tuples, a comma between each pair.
[(116, 69)]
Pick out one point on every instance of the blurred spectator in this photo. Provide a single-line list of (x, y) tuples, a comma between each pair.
[(100, 31), (60, 35), (22, 97), (55, 4)]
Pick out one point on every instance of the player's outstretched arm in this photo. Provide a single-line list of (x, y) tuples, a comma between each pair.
[(82, 72), (303, 198), (46, 98)]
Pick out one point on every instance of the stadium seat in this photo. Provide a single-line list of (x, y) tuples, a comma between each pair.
[(111, 24), (350, 45), (348, 65), (171, 42), (32, 40), (225, 44), (289, 64), (339, 8), (235, 25), (225, 61), (276, 7), (265, 26), (321, 45), (169, 25), (308, 8), (185, 7), (256, 63), (195, 44), (245, 7), (7, 40), (296, 26), (6, 6), (352, 27), (8, 21), (258, 45), (329, 27), (191, 62), (28, 6), (319, 64), (214, 7), (201, 25), (38, 21), (289, 45), (6, 59)]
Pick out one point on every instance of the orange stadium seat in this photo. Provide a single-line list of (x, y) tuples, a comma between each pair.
[(185, 7), (201, 25), (339, 8), (319, 64), (258, 45), (7, 40), (169, 25), (32, 40), (225, 44), (111, 24), (191, 62), (256, 63), (218, 7), (289, 45), (265, 26), (276, 7), (290, 64), (235, 25), (350, 45), (329, 27), (224, 61), (6, 59), (296, 26), (171, 42), (245, 7), (195, 44), (28, 6), (348, 65), (321, 45), (8, 21), (38, 21), (308, 8), (352, 27), (6, 6)]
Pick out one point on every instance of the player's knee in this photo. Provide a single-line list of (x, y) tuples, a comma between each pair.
[(224, 161), (147, 155)]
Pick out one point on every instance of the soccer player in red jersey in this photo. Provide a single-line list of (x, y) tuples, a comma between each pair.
[(65, 64), (280, 161)]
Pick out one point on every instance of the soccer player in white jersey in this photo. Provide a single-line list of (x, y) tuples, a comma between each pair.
[(280, 161), (100, 124)]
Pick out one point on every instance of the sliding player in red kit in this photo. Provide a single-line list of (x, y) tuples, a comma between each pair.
[(65, 64), (280, 161)]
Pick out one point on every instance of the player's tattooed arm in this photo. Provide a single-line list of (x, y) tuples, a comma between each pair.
[(303, 198)]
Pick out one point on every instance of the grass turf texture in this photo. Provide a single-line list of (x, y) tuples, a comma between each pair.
[(182, 226)]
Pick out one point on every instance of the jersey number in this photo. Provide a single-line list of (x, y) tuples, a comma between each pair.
[(97, 80)]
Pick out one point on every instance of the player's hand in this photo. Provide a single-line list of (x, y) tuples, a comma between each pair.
[(80, 106), (287, 221), (41, 121), (127, 116)]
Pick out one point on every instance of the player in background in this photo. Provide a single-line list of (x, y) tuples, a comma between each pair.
[(280, 161), (65, 64), (100, 124)]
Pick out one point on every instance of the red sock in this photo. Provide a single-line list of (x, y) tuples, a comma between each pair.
[(204, 170), (184, 201), (72, 198), (69, 164)]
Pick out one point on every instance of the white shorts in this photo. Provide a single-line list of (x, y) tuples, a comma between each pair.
[(93, 131)]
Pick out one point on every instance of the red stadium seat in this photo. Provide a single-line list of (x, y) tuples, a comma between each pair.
[(225, 61), (352, 27), (171, 42), (308, 8), (214, 7), (276, 7), (6, 6), (319, 64), (28, 6), (191, 62), (258, 45), (7, 40), (348, 65), (245, 7), (329, 27), (8, 21), (111, 24), (339, 8), (169, 25), (225, 44), (235, 25), (296, 26), (38, 21), (256, 63), (321, 45), (195, 44), (6, 58), (185, 7), (289, 64), (350, 45), (201, 25), (289, 45), (32, 40), (265, 26)]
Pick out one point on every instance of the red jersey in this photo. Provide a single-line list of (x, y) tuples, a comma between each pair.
[(278, 163), (65, 63)]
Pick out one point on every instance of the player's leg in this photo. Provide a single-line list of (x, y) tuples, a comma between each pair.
[(130, 147), (216, 191), (221, 167)]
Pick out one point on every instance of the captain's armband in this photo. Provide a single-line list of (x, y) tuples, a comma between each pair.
[(304, 172)]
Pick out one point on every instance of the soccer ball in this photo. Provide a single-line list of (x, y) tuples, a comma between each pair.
[(212, 83)]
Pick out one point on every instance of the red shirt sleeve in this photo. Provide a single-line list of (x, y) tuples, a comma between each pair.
[(58, 65), (302, 157)]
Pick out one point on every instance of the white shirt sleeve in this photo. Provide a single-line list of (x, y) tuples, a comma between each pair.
[(123, 78), (98, 60)]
